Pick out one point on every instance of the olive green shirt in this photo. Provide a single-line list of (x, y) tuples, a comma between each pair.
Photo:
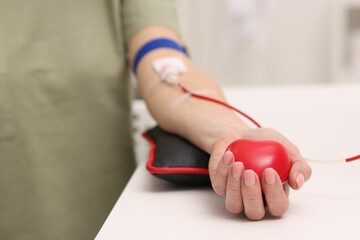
[(66, 149)]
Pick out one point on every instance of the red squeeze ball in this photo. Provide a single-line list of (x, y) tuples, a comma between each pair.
[(259, 155)]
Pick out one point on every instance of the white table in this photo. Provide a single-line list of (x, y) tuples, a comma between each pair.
[(323, 120)]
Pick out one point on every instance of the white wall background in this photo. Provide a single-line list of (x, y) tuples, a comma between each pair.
[(260, 41)]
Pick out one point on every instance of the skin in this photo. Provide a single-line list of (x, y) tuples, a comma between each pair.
[(241, 189)]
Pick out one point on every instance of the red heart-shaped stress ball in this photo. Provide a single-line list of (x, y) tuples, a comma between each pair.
[(259, 155)]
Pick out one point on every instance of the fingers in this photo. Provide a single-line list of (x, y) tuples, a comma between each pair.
[(300, 172), (233, 199), (219, 178), (243, 190), (275, 194), (252, 197), (244, 193), (286, 189)]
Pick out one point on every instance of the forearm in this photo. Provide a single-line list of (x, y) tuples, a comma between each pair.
[(199, 121)]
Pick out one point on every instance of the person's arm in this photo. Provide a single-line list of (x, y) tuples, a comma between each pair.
[(199, 121), (212, 128)]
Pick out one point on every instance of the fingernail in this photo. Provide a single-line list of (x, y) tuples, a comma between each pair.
[(227, 159), (300, 180), (249, 178), (269, 175), (236, 170)]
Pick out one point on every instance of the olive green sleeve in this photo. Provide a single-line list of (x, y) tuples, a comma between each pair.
[(141, 13)]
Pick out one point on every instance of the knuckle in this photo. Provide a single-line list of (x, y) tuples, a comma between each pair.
[(234, 206), (218, 188), (277, 201), (275, 195), (256, 215), (279, 210), (308, 172), (223, 172), (218, 183), (233, 188), (250, 196), (286, 190), (294, 149), (212, 173), (213, 177)]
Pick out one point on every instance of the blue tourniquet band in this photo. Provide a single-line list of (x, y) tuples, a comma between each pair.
[(154, 44)]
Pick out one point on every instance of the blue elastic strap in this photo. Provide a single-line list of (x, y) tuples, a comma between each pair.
[(154, 44)]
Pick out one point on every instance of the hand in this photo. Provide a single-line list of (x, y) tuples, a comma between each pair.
[(242, 189)]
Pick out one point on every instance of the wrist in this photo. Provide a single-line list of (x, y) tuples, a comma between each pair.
[(227, 131)]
